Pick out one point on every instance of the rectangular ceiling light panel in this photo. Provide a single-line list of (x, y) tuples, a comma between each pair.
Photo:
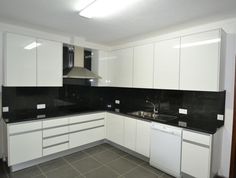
[(103, 8)]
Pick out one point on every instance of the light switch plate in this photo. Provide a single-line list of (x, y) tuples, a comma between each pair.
[(220, 117), (117, 101), (183, 111), (5, 109), (41, 106)]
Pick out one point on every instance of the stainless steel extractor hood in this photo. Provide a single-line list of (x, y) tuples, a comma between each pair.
[(76, 68)]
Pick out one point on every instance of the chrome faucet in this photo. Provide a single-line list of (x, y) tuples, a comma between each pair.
[(155, 107)]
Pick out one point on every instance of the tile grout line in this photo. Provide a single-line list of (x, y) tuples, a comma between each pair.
[(72, 166), (43, 173)]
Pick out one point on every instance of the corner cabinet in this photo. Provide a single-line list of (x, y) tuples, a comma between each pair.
[(120, 68), (31, 62), (202, 61)]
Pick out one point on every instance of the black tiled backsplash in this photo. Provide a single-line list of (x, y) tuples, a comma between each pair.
[(199, 104)]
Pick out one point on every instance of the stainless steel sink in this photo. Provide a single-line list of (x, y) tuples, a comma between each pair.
[(152, 115)]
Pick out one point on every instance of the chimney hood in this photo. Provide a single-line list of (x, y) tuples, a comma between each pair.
[(74, 64)]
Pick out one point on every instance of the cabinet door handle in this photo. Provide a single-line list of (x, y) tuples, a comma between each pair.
[(195, 143)]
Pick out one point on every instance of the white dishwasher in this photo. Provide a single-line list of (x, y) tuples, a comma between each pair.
[(165, 153)]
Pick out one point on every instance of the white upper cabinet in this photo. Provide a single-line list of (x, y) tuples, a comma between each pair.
[(31, 62), (166, 64), (200, 62), (143, 66), (49, 63), (19, 60), (120, 68)]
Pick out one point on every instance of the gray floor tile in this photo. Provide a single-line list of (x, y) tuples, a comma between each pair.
[(53, 164), (107, 146), (106, 156), (135, 160), (140, 172), (102, 172), (76, 156), (152, 169), (95, 150), (86, 165), (26, 173), (63, 172), (119, 152), (122, 165)]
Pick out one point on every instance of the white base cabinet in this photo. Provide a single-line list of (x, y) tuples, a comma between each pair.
[(143, 138), (131, 133), (24, 142), (200, 154), (115, 128)]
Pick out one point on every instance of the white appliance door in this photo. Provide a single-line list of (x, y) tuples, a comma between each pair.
[(166, 151)]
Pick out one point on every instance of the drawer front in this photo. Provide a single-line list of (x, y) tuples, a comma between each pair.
[(86, 125), (24, 127), (84, 118), (55, 122), (55, 140), (87, 136), (55, 131), (55, 149), (197, 137)]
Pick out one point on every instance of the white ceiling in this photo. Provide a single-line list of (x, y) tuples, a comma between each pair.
[(147, 16)]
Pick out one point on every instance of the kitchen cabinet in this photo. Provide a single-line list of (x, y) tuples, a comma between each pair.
[(86, 129), (130, 133), (55, 135), (115, 128), (143, 66), (31, 62), (24, 142), (49, 63), (166, 64), (19, 62), (120, 68), (201, 62), (143, 138), (200, 154), (100, 67)]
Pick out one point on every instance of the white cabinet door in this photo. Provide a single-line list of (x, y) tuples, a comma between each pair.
[(130, 133), (49, 63), (200, 61), (166, 64), (120, 67), (195, 160), (19, 60), (24, 142), (115, 128), (143, 138), (143, 66)]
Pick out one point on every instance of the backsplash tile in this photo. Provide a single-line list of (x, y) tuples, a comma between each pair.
[(198, 103)]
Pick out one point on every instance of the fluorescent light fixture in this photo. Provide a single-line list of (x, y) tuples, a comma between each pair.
[(81, 4), (32, 45), (103, 8), (199, 43)]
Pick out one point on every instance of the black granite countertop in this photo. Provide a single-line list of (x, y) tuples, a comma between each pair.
[(197, 123)]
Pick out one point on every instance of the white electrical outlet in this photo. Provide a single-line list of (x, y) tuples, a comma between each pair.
[(117, 101), (5, 109), (41, 106), (220, 117), (183, 111)]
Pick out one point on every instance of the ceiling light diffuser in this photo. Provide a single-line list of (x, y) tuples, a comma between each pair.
[(32, 45), (103, 8), (199, 43)]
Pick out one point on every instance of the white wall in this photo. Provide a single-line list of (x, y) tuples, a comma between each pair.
[(1, 79)]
